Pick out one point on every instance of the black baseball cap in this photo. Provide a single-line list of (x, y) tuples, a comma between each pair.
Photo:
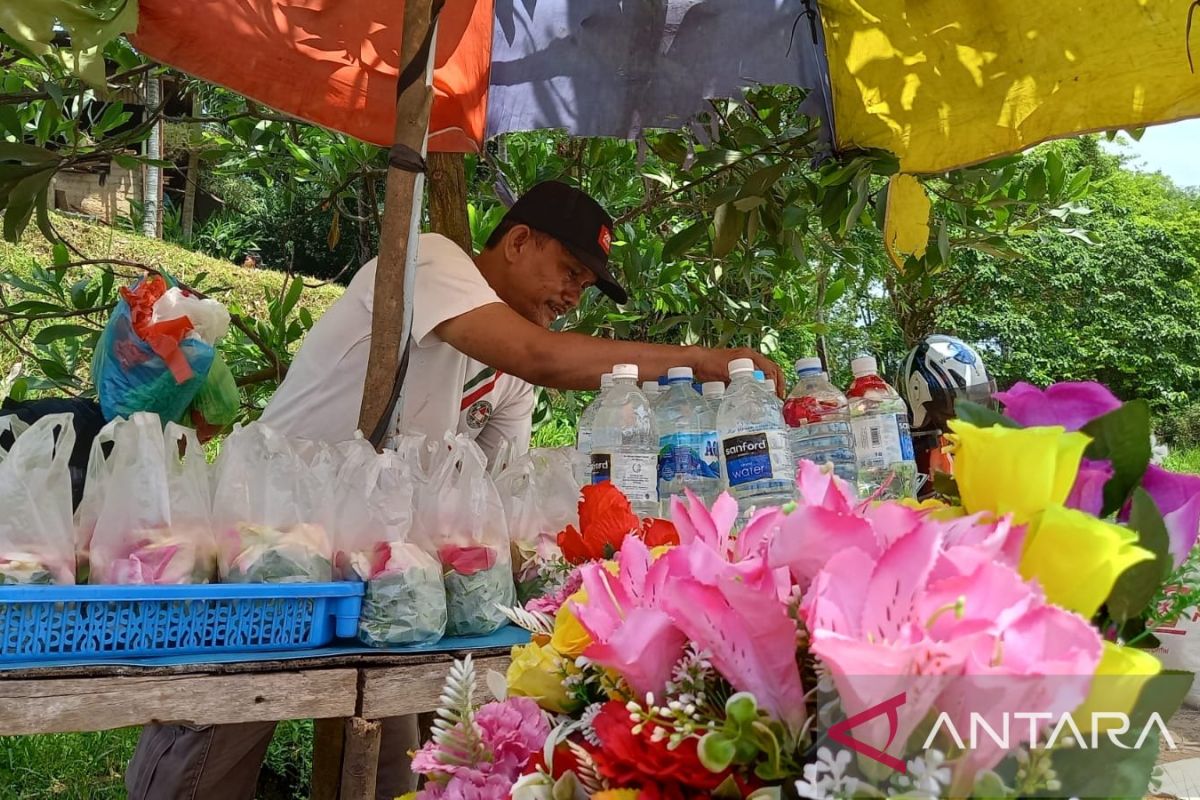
[(579, 224)]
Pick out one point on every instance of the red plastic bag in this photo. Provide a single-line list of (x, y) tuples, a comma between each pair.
[(162, 337)]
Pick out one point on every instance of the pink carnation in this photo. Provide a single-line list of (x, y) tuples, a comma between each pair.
[(513, 730)]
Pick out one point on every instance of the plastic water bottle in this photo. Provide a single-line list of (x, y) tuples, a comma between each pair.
[(713, 392), (652, 390), (882, 441), (625, 442), (687, 442), (756, 463), (587, 421), (818, 419)]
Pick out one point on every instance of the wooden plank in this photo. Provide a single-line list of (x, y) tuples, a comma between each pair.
[(361, 759), (396, 691), (329, 741), (96, 704), (373, 658)]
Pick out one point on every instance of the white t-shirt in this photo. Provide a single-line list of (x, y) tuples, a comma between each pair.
[(444, 390)]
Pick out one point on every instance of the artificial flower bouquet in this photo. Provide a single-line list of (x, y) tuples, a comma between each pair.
[(464, 519), (988, 643)]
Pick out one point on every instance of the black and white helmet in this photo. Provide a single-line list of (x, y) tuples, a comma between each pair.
[(938, 371)]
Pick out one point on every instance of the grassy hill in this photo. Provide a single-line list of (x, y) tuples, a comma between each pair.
[(245, 288)]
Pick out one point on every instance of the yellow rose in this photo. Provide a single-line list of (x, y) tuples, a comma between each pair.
[(570, 638), (1077, 558), (617, 794), (1014, 470), (1120, 677), (537, 672)]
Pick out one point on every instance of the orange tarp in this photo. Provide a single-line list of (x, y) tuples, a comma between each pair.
[(330, 62)]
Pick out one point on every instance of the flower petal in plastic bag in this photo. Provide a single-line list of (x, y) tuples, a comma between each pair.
[(152, 514), (272, 508), (36, 528), (462, 514)]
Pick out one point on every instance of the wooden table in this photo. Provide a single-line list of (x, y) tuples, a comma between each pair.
[(345, 695)]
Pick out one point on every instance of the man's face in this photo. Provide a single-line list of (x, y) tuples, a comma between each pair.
[(544, 280)]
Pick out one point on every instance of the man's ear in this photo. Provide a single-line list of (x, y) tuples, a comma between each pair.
[(516, 241)]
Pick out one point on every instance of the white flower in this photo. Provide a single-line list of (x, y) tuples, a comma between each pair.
[(826, 777), (926, 775), (537, 786)]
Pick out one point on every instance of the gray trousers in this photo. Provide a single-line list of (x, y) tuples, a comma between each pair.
[(182, 762)]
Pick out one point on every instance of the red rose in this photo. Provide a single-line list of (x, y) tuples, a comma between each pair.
[(635, 760), (659, 532), (605, 519)]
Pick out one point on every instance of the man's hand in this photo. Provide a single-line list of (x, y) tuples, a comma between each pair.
[(713, 365)]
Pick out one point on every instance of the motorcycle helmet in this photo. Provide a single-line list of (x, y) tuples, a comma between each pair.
[(939, 371)]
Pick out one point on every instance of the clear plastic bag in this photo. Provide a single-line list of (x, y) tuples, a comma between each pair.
[(272, 508), (462, 514), (404, 600), (36, 528), (540, 494), (152, 517)]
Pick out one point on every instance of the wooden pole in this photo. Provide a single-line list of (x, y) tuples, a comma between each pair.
[(401, 196), (448, 198), (329, 744), (361, 757)]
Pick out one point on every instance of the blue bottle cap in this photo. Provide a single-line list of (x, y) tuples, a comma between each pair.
[(759, 375)]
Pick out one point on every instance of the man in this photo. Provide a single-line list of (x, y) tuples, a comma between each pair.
[(480, 338)]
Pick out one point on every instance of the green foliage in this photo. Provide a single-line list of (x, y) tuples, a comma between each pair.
[(1187, 461), (1180, 426)]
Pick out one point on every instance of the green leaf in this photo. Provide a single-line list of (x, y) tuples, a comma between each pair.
[(292, 297), (761, 181), (981, 416), (682, 241), (1137, 585), (834, 291), (55, 332), (1035, 184), (1121, 437), (25, 153), (728, 223), (1106, 770), (1056, 174), (61, 254), (670, 147), (716, 751), (1079, 182), (34, 307)]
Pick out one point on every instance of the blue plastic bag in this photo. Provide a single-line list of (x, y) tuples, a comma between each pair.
[(130, 376)]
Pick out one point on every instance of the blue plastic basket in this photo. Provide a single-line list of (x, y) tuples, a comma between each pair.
[(50, 622)]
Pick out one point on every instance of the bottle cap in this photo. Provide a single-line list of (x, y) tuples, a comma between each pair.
[(770, 383), (679, 374), (712, 389), (864, 365), (808, 366), (606, 380), (739, 365), (759, 375), (625, 371)]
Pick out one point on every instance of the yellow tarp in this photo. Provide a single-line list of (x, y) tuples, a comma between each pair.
[(945, 83)]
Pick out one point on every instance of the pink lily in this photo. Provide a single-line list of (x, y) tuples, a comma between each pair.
[(630, 632)]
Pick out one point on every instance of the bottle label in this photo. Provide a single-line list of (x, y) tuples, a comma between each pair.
[(601, 467), (633, 474), (753, 457), (692, 454), (906, 442), (881, 440)]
